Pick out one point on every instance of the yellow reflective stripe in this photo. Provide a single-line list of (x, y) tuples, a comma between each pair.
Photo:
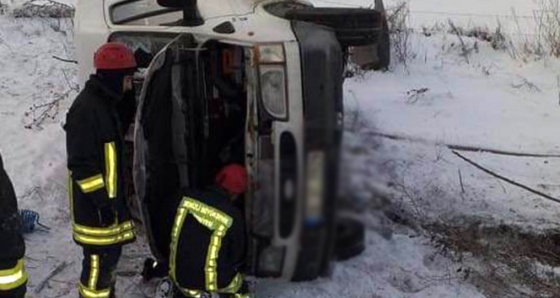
[(110, 231), (103, 240), (92, 293), (13, 278), (209, 223), (71, 193), (198, 207), (111, 169), (211, 267), (234, 286), (177, 227), (211, 218), (94, 272), (91, 184)]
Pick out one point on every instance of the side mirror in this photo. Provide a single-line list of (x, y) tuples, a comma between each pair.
[(191, 15)]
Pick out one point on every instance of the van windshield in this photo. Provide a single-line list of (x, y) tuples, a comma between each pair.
[(133, 11)]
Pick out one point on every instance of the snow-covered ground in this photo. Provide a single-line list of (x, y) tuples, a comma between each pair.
[(413, 178), (514, 16), (491, 102)]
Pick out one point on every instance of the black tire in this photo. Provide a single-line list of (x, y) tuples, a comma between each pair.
[(350, 239), (384, 48), (353, 26)]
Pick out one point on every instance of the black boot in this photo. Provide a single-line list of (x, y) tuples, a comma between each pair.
[(153, 269)]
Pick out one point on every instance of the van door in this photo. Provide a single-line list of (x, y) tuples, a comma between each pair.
[(161, 151)]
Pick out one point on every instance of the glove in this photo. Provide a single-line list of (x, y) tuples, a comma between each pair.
[(106, 216)]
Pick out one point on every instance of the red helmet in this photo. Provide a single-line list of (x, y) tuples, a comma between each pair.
[(114, 55), (233, 178)]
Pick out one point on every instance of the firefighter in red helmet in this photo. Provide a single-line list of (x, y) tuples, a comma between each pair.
[(208, 240), (95, 128)]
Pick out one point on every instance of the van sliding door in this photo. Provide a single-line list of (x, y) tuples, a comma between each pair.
[(161, 152)]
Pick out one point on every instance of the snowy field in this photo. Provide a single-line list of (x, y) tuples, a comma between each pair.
[(515, 16), (399, 164)]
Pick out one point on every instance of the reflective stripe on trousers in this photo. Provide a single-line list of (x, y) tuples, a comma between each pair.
[(97, 279), (14, 277), (91, 291), (219, 223)]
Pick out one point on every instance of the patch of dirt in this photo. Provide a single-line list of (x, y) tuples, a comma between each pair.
[(512, 262)]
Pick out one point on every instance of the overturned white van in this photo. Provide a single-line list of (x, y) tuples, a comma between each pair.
[(253, 82)]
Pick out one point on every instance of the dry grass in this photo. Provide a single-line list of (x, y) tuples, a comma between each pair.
[(509, 258), (545, 41), (548, 27), (397, 19), (43, 9)]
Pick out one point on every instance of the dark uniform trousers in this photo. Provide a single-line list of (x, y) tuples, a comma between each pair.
[(207, 249), (13, 277), (101, 221), (98, 271)]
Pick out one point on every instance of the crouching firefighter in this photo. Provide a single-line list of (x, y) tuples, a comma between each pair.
[(95, 128), (13, 277), (208, 240)]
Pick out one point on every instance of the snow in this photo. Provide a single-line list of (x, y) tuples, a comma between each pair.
[(475, 103), (404, 265), (478, 104), (491, 101), (515, 16)]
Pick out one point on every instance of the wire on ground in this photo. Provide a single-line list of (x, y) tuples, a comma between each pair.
[(508, 180)]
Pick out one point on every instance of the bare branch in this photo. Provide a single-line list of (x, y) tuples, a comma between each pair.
[(461, 181), (65, 60), (415, 94), (465, 50), (57, 270)]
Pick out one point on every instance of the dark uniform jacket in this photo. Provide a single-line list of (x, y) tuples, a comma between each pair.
[(208, 244), (94, 144), (12, 249)]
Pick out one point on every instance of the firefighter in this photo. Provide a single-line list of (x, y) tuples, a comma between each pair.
[(95, 128), (13, 277), (208, 240)]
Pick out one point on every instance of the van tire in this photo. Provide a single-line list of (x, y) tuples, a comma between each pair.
[(384, 48), (352, 26), (350, 239), (379, 53)]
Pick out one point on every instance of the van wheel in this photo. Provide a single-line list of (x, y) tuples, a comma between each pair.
[(384, 48), (350, 239), (382, 51), (352, 26)]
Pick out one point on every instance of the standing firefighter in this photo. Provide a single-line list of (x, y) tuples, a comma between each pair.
[(13, 278), (95, 128), (208, 240)]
